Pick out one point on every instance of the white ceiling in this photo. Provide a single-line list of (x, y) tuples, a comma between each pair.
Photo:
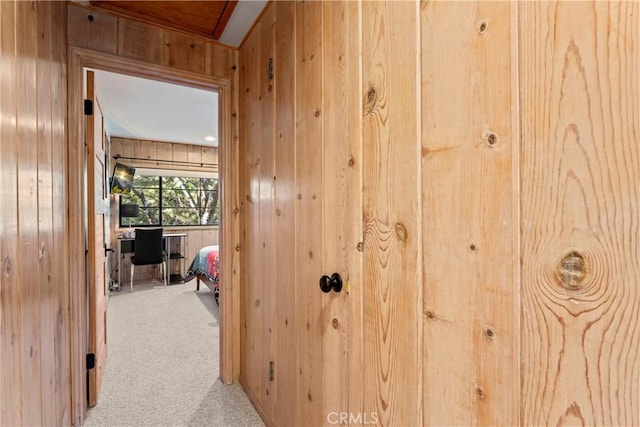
[(147, 109), (241, 20)]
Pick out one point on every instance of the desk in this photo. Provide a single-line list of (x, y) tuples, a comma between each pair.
[(127, 245)]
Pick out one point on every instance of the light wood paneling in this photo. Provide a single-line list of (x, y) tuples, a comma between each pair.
[(137, 40), (251, 371), (35, 386), (45, 214), (28, 270), (266, 182), (392, 213), (144, 42), (219, 61), (470, 305), (285, 215), (355, 225), (11, 344), (309, 205), (183, 52), (580, 178), (93, 30), (59, 274), (338, 90), (230, 197)]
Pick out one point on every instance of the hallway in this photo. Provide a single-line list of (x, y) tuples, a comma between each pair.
[(163, 361)]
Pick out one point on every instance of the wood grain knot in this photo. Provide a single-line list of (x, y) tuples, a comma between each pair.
[(8, 266), (482, 26), (490, 334), (286, 322), (236, 210), (257, 303), (42, 251), (572, 271), (310, 254), (370, 100), (430, 315), (90, 18), (472, 247), (234, 67), (237, 248), (360, 246), (352, 162), (401, 232), (480, 394), (299, 196), (234, 115), (249, 199), (270, 88), (491, 139), (256, 163), (278, 212), (264, 245), (335, 323), (316, 113), (13, 339), (259, 97), (309, 397)]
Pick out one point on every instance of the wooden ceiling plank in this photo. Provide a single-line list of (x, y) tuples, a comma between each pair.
[(193, 17)]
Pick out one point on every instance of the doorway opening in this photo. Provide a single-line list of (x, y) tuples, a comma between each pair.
[(166, 172)]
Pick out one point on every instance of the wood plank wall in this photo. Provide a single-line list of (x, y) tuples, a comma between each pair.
[(160, 152), (580, 189), (34, 295), (489, 155), (128, 39)]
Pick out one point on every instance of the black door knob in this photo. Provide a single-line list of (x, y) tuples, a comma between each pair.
[(334, 282), (325, 284)]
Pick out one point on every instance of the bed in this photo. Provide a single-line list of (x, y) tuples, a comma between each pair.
[(206, 267)]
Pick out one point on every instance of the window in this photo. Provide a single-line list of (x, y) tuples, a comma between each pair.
[(172, 201)]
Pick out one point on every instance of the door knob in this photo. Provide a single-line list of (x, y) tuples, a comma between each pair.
[(334, 282)]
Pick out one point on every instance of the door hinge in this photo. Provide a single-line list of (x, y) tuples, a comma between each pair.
[(272, 370), (88, 107), (91, 361)]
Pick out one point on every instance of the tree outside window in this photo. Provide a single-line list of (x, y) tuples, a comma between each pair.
[(173, 201)]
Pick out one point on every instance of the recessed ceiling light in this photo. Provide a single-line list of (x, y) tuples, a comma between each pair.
[(209, 138)]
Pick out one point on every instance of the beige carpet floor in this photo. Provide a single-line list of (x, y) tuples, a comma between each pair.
[(163, 362)]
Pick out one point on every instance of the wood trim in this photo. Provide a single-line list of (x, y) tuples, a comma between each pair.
[(229, 349), (224, 19), (75, 227)]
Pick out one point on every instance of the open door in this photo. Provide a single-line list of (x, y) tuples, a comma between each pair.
[(97, 251)]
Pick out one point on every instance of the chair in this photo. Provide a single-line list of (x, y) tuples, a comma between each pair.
[(148, 251)]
